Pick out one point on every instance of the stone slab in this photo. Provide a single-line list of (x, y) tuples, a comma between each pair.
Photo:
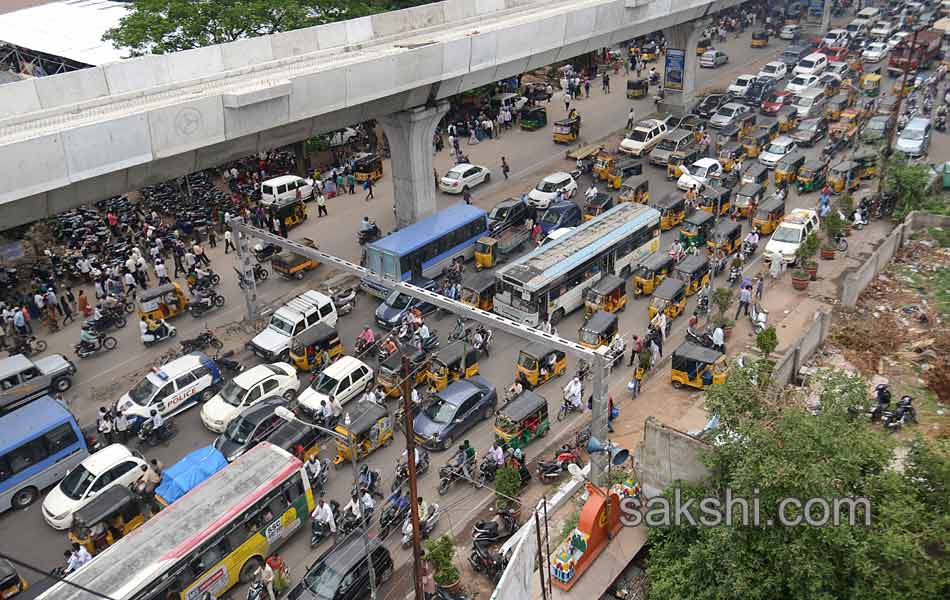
[(32, 167), (186, 126), (19, 97), (72, 87), (109, 146)]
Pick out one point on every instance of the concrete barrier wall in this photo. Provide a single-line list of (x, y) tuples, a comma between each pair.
[(787, 367), (856, 281), (667, 455)]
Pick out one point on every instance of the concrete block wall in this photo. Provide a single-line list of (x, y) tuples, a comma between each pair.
[(859, 279), (667, 455), (788, 365)]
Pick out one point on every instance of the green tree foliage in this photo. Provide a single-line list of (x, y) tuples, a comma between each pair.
[(775, 452), (909, 183), (766, 341)]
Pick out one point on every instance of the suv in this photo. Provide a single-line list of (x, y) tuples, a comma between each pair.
[(253, 425), (342, 573), (294, 318), (23, 380), (178, 385), (341, 382), (788, 237), (509, 212), (914, 140), (642, 138), (547, 189)]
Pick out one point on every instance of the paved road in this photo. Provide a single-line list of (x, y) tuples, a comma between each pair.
[(102, 379)]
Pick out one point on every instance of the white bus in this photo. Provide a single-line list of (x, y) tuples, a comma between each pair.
[(551, 280)]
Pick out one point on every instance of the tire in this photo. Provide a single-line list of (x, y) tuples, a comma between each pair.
[(219, 301), (39, 345), (174, 333), (678, 385), (487, 178), (129, 307), (25, 497), (121, 323), (289, 396), (488, 413), (557, 316), (109, 342), (206, 394), (249, 569), (842, 245), (561, 414), (298, 275), (215, 279), (443, 486), (61, 384), (217, 344), (263, 274)]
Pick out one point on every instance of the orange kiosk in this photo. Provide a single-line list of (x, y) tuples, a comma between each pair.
[(598, 524)]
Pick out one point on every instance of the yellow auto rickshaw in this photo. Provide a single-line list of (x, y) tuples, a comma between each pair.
[(670, 297), (768, 215), (290, 213), (760, 39), (479, 291), (291, 265), (368, 167), (703, 45), (755, 142), (599, 330), (390, 372), (603, 164), (370, 427), (696, 228), (635, 189), (523, 419), (713, 198), (609, 295), (454, 362), (649, 52), (538, 363), (637, 88), (623, 168), (112, 514), (770, 126), (902, 90), (788, 166), (843, 177), (746, 123), (729, 133), (567, 130), (755, 173), (674, 164), (162, 302), (727, 236), (693, 271), (787, 118), (651, 273), (11, 582), (748, 197), (307, 349), (672, 209), (847, 124), (597, 205), (697, 366), (835, 106), (729, 154), (866, 159)]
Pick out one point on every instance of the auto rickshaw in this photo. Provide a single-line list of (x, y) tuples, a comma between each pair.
[(788, 167), (835, 106), (609, 295), (672, 209), (162, 302), (771, 126), (635, 189), (454, 362), (755, 142), (670, 297), (479, 291), (623, 168), (696, 228), (306, 349), (847, 125), (110, 515), (637, 88), (368, 167), (755, 173), (648, 52), (746, 123), (768, 215), (603, 164), (703, 45), (812, 175), (726, 235), (567, 130), (291, 213), (598, 331), (843, 177), (533, 118), (522, 420), (902, 89), (11, 582), (597, 205), (292, 265), (370, 427), (787, 118), (651, 273), (674, 164), (538, 363), (729, 154), (390, 372), (712, 198), (748, 197), (866, 159), (760, 39), (693, 271), (697, 366), (729, 133)]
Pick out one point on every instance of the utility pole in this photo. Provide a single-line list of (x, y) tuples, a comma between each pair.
[(889, 148), (242, 247), (411, 466)]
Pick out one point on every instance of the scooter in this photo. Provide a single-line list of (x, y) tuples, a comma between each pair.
[(367, 236), (319, 482), (449, 474), (493, 532), (350, 522), (344, 300), (748, 249), (373, 487), (111, 319), (402, 470), (487, 470), (164, 332), (759, 317), (259, 272), (551, 470), (426, 526), (149, 436), (735, 274), (702, 304), (485, 560), (197, 309), (204, 339), (320, 530), (105, 343), (701, 339), (395, 511)]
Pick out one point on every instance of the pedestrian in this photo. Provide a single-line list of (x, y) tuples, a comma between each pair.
[(229, 239), (200, 256), (719, 339), (178, 252), (368, 186), (61, 399), (630, 118), (634, 385), (759, 287), (121, 425), (212, 239), (428, 582), (83, 304), (605, 82), (635, 349), (745, 296), (104, 424), (350, 184), (775, 269), (655, 353), (586, 87), (467, 196), (283, 228), (658, 342), (504, 167), (161, 272), (66, 309), (567, 100), (130, 284)]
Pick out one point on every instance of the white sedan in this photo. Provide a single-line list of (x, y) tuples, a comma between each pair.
[(463, 177), (247, 389), (875, 52), (799, 83), (776, 70), (699, 173)]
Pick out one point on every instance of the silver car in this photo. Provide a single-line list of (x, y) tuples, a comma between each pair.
[(915, 139), (726, 114), (713, 58)]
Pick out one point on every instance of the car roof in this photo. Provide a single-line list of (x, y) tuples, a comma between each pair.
[(281, 179), (14, 364), (344, 556), (106, 458), (732, 105), (783, 139), (705, 162), (253, 375), (917, 123), (461, 167), (344, 364), (557, 176), (457, 391), (775, 63), (262, 409)]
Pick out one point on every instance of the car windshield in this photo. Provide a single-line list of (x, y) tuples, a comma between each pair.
[(143, 391), (709, 102), (637, 135), (440, 411), (806, 101), (807, 64), (787, 235), (809, 125), (499, 213), (551, 217), (877, 124), (913, 134), (75, 484), (398, 300), (770, 69), (774, 99), (743, 81), (281, 325), (239, 430), (453, 175), (232, 393), (698, 171), (668, 145), (777, 149), (547, 187), (323, 582), (726, 111), (876, 47), (798, 81), (324, 384)]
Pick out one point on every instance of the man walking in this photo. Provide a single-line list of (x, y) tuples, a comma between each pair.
[(229, 240), (321, 205), (368, 184), (745, 296), (630, 118), (504, 167)]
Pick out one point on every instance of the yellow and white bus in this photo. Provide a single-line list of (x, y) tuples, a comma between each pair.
[(210, 539)]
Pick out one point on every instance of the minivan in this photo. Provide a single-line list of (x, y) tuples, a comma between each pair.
[(813, 64), (810, 102), (341, 382), (252, 426), (294, 318), (678, 139), (283, 189), (176, 386), (342, 573)]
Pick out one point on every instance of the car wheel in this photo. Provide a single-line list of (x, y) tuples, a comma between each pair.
[(25, 497), (487, 178), (206, 394), (61, 384), (289, 396)]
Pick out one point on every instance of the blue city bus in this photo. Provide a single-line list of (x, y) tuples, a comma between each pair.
[(426, 248), (39, 443)]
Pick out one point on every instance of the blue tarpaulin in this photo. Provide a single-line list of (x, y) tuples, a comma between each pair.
[(190, 471)]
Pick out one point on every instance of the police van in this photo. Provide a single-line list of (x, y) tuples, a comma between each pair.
[(176, 386)]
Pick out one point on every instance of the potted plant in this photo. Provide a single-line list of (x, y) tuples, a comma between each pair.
[(507, 487), (722, 298), (846, 206), (800, 279), (439, 554), (832, 225), (806, 256)]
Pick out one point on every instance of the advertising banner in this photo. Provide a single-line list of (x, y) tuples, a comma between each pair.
[(674, 69)]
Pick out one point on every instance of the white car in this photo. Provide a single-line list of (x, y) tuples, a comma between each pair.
[(801, 82), (875, 52), (547, 189), (113, 465), (774, 152), (463, 177), (789, 235), (741, 85), (776, 70), (247, 389), (835, 38), (882, 30), (644, 137), (343, 381), (897, 38), (699, 173), (789, 32)]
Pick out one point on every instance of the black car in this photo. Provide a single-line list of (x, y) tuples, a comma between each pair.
[(708, 106), (508, 212), (453, 411), (760, 90), (254, 424), (342, 572), (810, 131)]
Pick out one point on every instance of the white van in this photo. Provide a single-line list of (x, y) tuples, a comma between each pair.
[(810, 102), (293, 318), (870, 13), (283, 189), (178, 385), (813, 64), (345, 380), (858, 27)]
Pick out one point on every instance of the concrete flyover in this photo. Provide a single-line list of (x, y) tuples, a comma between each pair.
[(75, 138)]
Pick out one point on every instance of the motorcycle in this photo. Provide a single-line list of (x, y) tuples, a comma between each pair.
[(841, 242), (344, 300), (759, 317), (702, 339), (486, 471), (164, 332), (702, 304), (551, 470), (265, 252), (373, 487), (225, 362), (27, 345), (748, 249), (402, 470), (449, 474), (149, 436), (486, 335), (204, 339), (259, 272), (903, 414), (395, 511), (318, 482), (111, 319), (735, 274), (215, 300), (320, 530), (567, 407), (459, 332), (485, 560), (368, 236), (493, 532), (104, 343), (350, 522), (426, 525)]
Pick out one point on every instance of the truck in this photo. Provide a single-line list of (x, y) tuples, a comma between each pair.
[(924, 52)]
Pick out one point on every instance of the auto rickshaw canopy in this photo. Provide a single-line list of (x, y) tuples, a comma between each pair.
[(538, 356), (671, 290), (691, 267), (479, 291), (690, 357), (10, 580), (363, 417), (843, 168), (115, 507), (713, 198), (163, 301), (656, 266), (698, 222), (608, 294), (760, 36), (600, 203), (634, 189), (670, 204), (568, 125), (725, 232), (769, 214), (756, 173), (320, 336), (296, 436), (452, 356), (749, 193), (524, 406), (599, 330), (368, 166), (729, 153), (533, 117), (637, 88)]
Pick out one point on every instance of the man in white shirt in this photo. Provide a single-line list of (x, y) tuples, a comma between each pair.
[(323, 514), (573, 392), (77, 558), (719, 340)]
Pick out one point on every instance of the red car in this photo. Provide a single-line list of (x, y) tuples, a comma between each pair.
[(835, 54), (775, 101)]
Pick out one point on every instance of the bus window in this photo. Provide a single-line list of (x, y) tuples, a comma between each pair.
[(389, 266)]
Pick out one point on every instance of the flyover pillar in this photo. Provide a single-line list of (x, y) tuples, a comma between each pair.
[(681, 61), (410, 147)]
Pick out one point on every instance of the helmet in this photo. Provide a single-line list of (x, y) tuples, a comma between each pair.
[(881, 386), (153, 412), (907, 398), (363, 469)]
